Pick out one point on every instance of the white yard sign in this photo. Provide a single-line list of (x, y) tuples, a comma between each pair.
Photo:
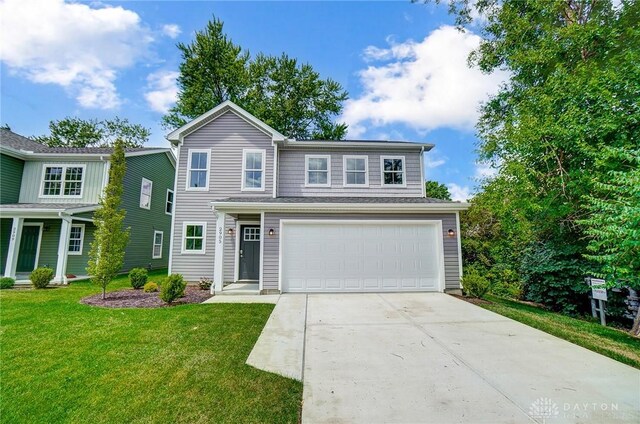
[(598, 289)]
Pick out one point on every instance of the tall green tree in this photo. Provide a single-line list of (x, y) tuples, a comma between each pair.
[(437, 190), (287, 95), (573, 93), (106, 255), (76, 132)]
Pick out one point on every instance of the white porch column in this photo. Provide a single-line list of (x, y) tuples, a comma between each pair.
[(14, 245), (63, 251), (218, 262)]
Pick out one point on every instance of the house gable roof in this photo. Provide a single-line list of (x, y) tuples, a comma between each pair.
[(177, 135)]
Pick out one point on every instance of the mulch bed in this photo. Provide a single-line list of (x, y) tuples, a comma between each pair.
[(473, 300), (130, 298)]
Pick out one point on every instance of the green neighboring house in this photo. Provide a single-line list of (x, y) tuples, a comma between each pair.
[(48, 196)]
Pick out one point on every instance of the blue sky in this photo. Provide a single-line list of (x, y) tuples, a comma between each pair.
[(403, 65)]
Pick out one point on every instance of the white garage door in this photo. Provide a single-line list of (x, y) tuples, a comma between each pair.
[(361, 256)]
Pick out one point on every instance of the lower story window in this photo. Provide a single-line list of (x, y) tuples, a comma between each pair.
[(157, 244), (194, 235), (76, 237)]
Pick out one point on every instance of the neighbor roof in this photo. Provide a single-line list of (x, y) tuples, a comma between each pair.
[(23, 146)]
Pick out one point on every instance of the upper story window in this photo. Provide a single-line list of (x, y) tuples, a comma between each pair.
[(62, 180), (356, 171), (317, 170), (393, 171), (198, 169), (168, 209), (253, 170), (145, 193)]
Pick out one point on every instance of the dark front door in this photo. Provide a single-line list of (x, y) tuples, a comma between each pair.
[(28, 248), (249, 253)]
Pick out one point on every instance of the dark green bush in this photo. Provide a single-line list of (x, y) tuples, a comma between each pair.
[(474, 284), (150, 287), (172, 288), (205, 283), (138, 277), (7, 282), (504, 282), (41, 277)]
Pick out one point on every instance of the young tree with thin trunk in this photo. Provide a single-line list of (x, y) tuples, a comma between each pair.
[(106, 255)]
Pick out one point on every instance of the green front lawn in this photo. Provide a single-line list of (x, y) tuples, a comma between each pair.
[(62, 361), (607, 341)]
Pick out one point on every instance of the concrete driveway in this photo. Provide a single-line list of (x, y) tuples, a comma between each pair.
[(432, 358)]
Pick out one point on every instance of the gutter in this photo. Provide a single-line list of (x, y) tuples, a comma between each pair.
[(338, 207)]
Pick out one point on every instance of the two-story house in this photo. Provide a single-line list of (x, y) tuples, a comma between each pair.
[(284, 215), (48, 197)]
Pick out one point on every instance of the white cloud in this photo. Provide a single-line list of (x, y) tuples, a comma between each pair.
[(424, 85), (484, 170), (162, 90), (78, 47), (431, 161), (459, 193), (171, 30)]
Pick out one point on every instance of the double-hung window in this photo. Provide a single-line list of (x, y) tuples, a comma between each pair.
[(356, 171), (145, 193), (157, 244), (76, 238), (198, 169), (317, 170), (168, 208), (393, 171), (62, 180), (253, 169), (193, 237)]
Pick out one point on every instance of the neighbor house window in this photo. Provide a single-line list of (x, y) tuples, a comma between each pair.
[(253, 169), (169, 205), (393, 171), (318, 170), (198, 170), (157, 244), (356, 171), (194, 237), (145, 193), (62, 180), (76, 237)]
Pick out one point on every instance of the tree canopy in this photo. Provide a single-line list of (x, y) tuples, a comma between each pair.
[(437, 190), (76, 132), (289, 96)]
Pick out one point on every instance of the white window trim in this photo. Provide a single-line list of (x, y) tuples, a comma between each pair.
[(404, 172), (366, 170), (263, 152), (184, 250), (64, 167), (166, 201), (150, 193), (79, 253), (306, 170), (188, 179), (153, 249)]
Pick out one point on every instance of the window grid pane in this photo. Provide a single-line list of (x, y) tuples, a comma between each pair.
[(198, 172), (194, 237), (252, 234)]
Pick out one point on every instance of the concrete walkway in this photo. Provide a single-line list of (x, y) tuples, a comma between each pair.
[(417, 358)]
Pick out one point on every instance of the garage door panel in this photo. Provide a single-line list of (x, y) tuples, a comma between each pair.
[(355, 257)]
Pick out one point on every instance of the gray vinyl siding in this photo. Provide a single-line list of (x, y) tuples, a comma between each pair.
[(91, 185), (226, 137), (270, 271), (291, 174)]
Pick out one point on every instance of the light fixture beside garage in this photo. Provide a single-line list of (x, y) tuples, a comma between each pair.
[(451, 232), (272, 231)]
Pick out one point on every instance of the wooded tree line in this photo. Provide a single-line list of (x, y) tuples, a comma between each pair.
[(564, 134)]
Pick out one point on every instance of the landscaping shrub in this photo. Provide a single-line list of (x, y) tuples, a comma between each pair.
[(41, 277), (150, 287), (504, 283), (474, 284), (138, 277), (172, 288), (7, 282), (205, 283)]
